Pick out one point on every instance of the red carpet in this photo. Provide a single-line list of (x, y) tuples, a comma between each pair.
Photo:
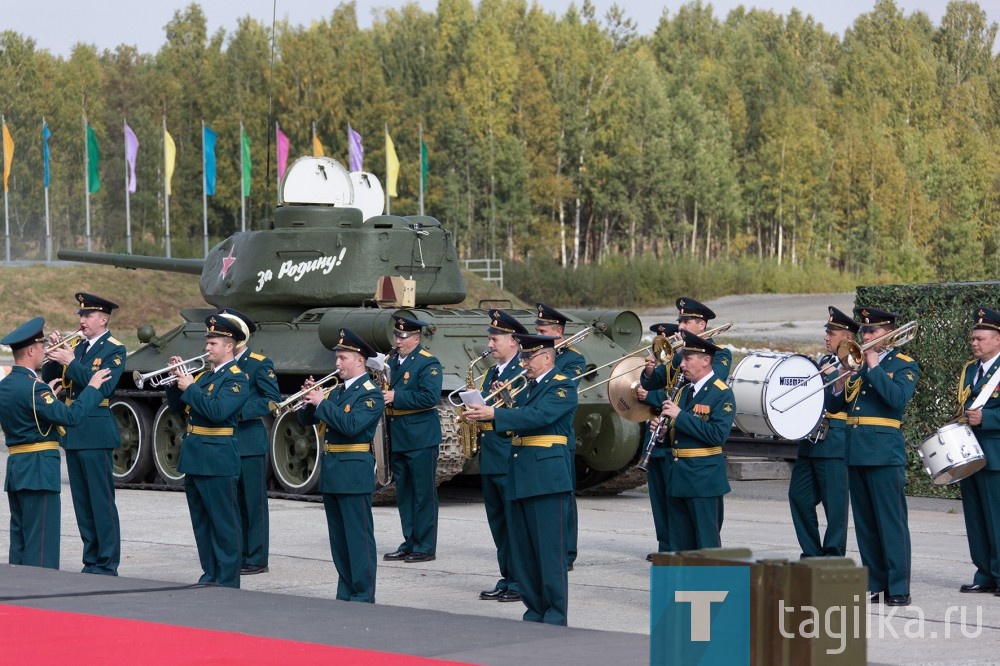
[(42, 637)]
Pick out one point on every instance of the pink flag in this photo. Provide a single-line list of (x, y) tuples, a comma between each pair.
[(282, 151), (131, 150)]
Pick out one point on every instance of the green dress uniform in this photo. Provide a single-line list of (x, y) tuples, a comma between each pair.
[(89, 452), (252, 437), (494, 462), (347, 481), (874, 400), (571, 363), (819, 476), (210, 460), (981, 491), (416, 436), (538, 482)]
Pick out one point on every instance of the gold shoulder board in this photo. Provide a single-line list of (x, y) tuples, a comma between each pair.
[(424, 352), (721, 385), (559, 377), (368, 385), (115, 341), (257, 357), (904, 357), (235, 370)]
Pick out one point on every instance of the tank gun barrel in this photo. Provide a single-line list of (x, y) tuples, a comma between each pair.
[(134, 261)]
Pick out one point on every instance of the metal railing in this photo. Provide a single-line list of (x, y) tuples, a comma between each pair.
[(490, 270)]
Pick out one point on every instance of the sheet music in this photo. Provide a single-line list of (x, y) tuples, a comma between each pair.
[(472, 397)]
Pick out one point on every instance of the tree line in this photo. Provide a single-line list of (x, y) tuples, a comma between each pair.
[(753, 137)]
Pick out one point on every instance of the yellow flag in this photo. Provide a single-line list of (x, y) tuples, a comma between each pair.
[(317, 147), (8, 154), (170, 154), (391, 165)]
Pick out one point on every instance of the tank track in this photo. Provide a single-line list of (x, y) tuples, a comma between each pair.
[(630, 477)]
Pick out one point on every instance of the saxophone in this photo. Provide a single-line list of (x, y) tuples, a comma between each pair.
[(469, 430)]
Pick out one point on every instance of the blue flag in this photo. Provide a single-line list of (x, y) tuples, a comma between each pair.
[(208, 139), (46, 133)]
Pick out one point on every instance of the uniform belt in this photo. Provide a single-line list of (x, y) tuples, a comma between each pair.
[(202, 430), (836, 415), (389, 411), (872, 421), (102, 403), (347, 448), (696, 453), (538, 440), (485, 426), (31, 448)]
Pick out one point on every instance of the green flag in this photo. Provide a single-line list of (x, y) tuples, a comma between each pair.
[(93, 162), (423, 167), (245, 147)]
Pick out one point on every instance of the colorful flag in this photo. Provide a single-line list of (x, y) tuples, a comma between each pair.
[(391, 165), (355, 149), (46, 133), (8, 154), (245, 147), (131, 151), (317, 146), (208, 137), (93, 162), (282, 151), (169, 157), (424, 170)]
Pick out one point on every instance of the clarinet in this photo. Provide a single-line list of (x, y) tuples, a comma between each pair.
[(659, 434)]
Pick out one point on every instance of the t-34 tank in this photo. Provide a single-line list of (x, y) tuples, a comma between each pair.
[(313, 273)]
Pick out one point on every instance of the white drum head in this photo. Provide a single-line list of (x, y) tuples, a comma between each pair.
[(767, 387)]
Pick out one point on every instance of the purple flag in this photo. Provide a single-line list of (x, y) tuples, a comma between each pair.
[(282, 151), (131, 150), (356, 150)]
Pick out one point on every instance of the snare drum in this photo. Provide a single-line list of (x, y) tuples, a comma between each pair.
[(765, 382), (951, 454)]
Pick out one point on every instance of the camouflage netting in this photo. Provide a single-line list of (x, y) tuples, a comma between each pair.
[(945, 314)]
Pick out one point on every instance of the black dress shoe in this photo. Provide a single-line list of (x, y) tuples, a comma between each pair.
[(396, 555), (976, 587), (898, 600), (649, 558), (569, 567), (509, 595), (418, 557), (875, 597), (251, 569), (491, 595)]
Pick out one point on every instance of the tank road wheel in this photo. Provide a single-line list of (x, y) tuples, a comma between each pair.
[(295, 454), (134, 458), (169, 429)]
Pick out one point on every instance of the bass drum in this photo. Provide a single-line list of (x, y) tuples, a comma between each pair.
[(766, 387), (951, 454)]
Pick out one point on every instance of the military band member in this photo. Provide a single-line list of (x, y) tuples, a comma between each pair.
[(569, 362), (656, 471), (981, 491), (411, 405), (251, 489), (210, 454), (819, 475), (495, 450), (701, 417), (90, 445), (874, 399), (538, 479), (31, 417), (348, 416)]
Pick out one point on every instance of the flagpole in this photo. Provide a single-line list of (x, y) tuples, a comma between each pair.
[(204, 188), (86, 176), (314, 139), (166, 187), (48, 226), (243, 200), (128, 205), (420, 130), (6, 210), (388, 208)]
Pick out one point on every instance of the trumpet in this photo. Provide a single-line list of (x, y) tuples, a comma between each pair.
[(297, 401), (503, 396), (65, 341), (165, 376)]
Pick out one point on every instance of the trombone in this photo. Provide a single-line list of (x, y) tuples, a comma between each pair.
[(65, 341), (165, 376), (297, 401), (851, 356)]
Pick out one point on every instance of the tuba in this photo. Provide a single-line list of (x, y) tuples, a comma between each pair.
[(378, 368), (468, 430)]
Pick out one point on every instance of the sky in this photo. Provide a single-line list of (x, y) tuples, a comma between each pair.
[(108, 23)]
